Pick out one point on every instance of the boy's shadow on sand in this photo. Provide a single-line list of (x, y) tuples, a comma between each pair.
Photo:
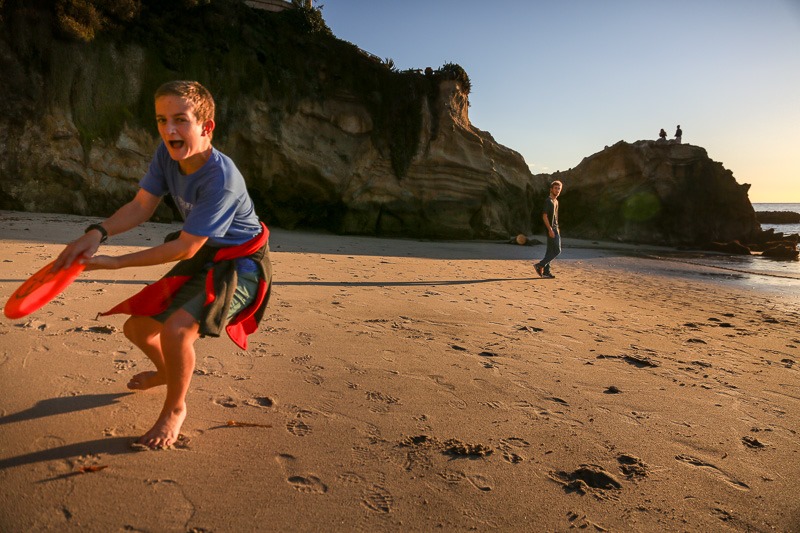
[(108, 446), (66, 404), (69, 404)]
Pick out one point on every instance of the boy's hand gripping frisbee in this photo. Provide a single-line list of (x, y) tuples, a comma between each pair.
[(40, 289)]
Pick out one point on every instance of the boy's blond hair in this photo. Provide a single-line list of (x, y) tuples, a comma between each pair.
[(198, 96)]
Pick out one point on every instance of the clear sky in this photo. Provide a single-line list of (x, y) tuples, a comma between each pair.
[(558, 80)]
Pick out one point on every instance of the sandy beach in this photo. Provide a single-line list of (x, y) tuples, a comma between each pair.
[(401, 385)]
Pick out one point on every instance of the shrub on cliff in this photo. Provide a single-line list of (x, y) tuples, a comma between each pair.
[(454, 71), (82, 20)]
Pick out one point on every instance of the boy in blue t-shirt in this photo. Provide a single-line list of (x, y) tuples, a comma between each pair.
[(222, 245)]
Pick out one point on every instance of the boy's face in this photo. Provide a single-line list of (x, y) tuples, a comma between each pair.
[(555, 190), (187, 139)]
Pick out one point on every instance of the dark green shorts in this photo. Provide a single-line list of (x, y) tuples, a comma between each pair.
[(192, 296)]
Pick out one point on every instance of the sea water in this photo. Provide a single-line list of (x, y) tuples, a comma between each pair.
[(753, 271), (784, 228)]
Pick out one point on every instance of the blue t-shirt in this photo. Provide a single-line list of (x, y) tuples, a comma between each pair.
[(213, 201)]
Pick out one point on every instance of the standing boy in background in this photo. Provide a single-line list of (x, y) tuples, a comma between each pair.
[(223, 276), (550, 218)]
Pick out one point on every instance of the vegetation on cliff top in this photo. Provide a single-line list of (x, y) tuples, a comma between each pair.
[(231, 48)]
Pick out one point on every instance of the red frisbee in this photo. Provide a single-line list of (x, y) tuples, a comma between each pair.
[(40, 289)]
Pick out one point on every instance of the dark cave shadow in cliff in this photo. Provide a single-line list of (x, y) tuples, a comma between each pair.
[(354, 245)]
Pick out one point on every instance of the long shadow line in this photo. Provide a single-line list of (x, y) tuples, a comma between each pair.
[(58, 406), (394, 283), (68, 404), (107, 281), (322, 283), (109, 446)]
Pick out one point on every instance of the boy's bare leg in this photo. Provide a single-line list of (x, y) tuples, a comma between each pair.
[(178, 335), (145, 333)]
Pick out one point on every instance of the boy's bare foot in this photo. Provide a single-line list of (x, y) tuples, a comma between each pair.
[(166, 430), (146, 380)]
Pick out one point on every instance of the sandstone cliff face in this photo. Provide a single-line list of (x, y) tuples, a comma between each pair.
[(656, 192), (320, 166)]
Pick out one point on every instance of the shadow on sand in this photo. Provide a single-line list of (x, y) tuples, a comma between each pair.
[(69, 404)]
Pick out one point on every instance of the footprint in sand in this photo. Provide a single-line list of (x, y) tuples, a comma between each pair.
[(350, 477), (442, 382), (226, 401), (632, 466), (48, 442), (362, 454), (417, 459), (261, 401), (304, 339), (123, 365), (375, 396), (309, 485), (356, 370), (314, 379), (378, 499), (452, 477), (699, 463), (480, 482), (34, 324), (457, 403), (379, 409), (752, 442), (298, 428), (516, 442), (305, 483), (512, 457)]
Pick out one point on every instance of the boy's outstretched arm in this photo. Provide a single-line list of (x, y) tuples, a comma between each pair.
[(184, 247), (130, 215)]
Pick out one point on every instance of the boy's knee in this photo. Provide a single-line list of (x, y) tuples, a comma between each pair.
[(180, 328), (139, 328), (129, 329)]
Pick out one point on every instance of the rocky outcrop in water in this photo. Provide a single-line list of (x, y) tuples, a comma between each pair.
[(783, 249), (778, 217)]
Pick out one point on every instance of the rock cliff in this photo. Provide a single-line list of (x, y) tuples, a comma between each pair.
[(327, 136), (656, 192)]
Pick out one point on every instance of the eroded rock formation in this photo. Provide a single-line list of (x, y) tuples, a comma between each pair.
[(656, 192), (319, 166)]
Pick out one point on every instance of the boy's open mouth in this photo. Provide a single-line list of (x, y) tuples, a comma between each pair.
[(176, 144)]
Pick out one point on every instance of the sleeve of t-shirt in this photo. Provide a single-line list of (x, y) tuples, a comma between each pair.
[(155, 181)]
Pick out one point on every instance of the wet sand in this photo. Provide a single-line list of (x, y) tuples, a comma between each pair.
[(403, 385)]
